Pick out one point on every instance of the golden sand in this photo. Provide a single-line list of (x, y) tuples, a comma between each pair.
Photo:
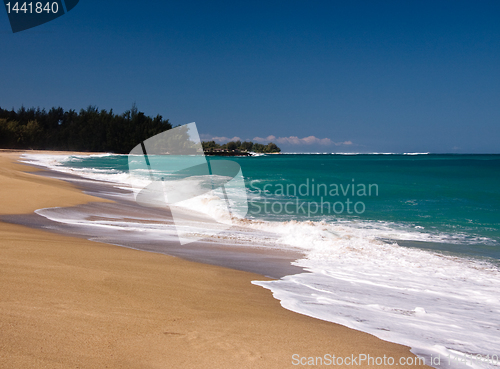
[(72, 303)]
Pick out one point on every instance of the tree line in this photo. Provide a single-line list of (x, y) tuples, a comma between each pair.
[(94, 130), (238, 146), (87, 130)]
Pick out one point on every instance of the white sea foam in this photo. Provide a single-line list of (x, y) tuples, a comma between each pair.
[(436, 304)]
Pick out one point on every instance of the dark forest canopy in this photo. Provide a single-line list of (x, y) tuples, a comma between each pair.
[(92, 130), (87, 130)]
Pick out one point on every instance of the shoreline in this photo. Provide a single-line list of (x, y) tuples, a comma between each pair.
[(271, 262), (74, 302)]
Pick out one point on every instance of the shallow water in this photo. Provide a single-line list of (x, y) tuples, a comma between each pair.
[(419, 266)]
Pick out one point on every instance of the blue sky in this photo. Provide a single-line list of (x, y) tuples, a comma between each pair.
[(327, 76)]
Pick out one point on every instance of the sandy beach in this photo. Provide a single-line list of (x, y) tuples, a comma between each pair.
[(73, 303)]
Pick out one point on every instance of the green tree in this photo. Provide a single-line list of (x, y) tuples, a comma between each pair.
[(246, 146), (231, 146), (31, 133), (88, 130), (210, 145), (257, 147), (271, 147)]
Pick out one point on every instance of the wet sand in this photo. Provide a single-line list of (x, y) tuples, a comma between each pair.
[(68, 302)]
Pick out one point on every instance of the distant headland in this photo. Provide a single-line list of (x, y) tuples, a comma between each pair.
[(238, 148)]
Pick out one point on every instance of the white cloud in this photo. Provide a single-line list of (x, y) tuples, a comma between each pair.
[(221, 139), (225, 139), (294, 140), (291, 140), (265, 140)]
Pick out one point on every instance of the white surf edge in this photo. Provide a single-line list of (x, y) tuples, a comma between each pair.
[(409, 286)]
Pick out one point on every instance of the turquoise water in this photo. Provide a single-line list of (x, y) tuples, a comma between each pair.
[(454, 198), (411, 255), (458, 195)]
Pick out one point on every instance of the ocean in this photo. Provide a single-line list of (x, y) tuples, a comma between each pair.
[(403, 246)]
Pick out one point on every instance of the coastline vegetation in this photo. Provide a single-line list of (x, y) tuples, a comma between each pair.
[(239, 147), (95, 130), (86, 130)]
